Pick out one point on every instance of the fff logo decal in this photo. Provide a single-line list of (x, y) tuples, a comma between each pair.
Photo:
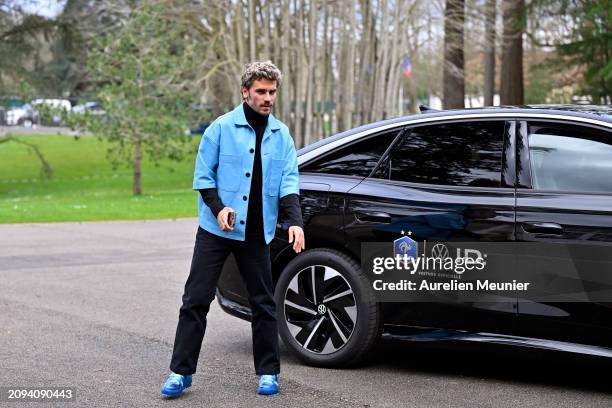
[(405, 246)]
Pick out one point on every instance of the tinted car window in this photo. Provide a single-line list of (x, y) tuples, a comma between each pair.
[(358, 159), (457, 154), (575, 158)]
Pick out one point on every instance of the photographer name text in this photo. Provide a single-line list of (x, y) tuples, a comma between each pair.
[(453, 285)]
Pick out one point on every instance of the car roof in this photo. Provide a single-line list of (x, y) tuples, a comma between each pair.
[(597, 112)]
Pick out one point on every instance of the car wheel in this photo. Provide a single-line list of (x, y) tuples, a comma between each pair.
[(327, 313)]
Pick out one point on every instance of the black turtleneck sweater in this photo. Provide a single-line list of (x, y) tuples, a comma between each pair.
[(289, 205)]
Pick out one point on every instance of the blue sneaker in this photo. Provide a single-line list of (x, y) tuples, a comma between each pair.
[(268, 384), (175, 384)]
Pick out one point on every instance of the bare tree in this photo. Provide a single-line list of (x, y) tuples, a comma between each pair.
[(511, 92), (454, 76), (312, 62), (348, 64), (341, 59), (300, 73), (380, 68), (252, 49), (285, 38), (489, 54)]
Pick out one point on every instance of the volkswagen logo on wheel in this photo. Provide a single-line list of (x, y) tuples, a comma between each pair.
[(439, 251), (321, 309)]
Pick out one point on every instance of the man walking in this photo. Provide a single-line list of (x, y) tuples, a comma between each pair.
[(245, 170)]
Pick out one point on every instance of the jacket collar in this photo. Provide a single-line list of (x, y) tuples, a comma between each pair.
[(240, 119)]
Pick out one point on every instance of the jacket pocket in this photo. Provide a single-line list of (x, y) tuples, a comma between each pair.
[(276, 176), (229, 172)]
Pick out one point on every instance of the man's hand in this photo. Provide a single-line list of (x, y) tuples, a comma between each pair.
[(299, 242), (222, 219)]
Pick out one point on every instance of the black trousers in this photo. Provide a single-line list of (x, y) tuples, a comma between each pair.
[(253, 259)]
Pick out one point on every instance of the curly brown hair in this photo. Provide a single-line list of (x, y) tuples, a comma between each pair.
[(260, 70)]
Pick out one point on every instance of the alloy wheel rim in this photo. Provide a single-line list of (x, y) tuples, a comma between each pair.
[(320, 309)]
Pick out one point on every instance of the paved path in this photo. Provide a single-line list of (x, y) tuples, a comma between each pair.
[(39, 130), (94, 306)]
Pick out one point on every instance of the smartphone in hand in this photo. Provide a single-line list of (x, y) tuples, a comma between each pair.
[(231, 218)]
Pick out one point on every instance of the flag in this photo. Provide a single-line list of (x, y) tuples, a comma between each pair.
[(407, 67)]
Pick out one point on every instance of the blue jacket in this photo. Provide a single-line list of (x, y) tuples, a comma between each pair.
[(225, 162)]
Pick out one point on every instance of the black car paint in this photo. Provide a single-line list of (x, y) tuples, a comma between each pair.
[(581, 218), (334, 207)]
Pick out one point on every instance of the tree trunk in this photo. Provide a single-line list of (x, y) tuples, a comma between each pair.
[(414, 95), (380, 72), (312, 59), (511, 92), (349, 65), (136, 165), (300, 74), (372, 67), (454, 75), (276, 20), (328, 93), (365, 45), (252, 49), (239, 21), (333, 53), (489, 54), (395, 72), (285, 89), (265, 19)]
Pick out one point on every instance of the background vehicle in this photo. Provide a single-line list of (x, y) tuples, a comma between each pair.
[(490, 175), (25, 115), (57, 108), (93, 106), (8, 103)]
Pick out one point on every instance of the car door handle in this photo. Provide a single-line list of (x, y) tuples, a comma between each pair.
[(373, 216), (550, 228)]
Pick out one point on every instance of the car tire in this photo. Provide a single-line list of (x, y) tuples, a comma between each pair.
[(345, 328)]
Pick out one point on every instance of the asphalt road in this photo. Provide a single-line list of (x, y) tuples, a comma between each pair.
[(39, 130), (94, 306)]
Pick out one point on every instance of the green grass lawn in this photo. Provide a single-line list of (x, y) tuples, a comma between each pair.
[(84, 187)]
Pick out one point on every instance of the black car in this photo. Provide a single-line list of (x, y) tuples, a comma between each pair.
[(497, 175)]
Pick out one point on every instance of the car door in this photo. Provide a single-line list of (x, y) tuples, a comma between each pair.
[(337, 172), (442, 182), (564, 211)]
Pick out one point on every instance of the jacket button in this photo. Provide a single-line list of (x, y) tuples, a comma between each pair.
[(244, 198), (242, 222), (252, 150), (248, 174)]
